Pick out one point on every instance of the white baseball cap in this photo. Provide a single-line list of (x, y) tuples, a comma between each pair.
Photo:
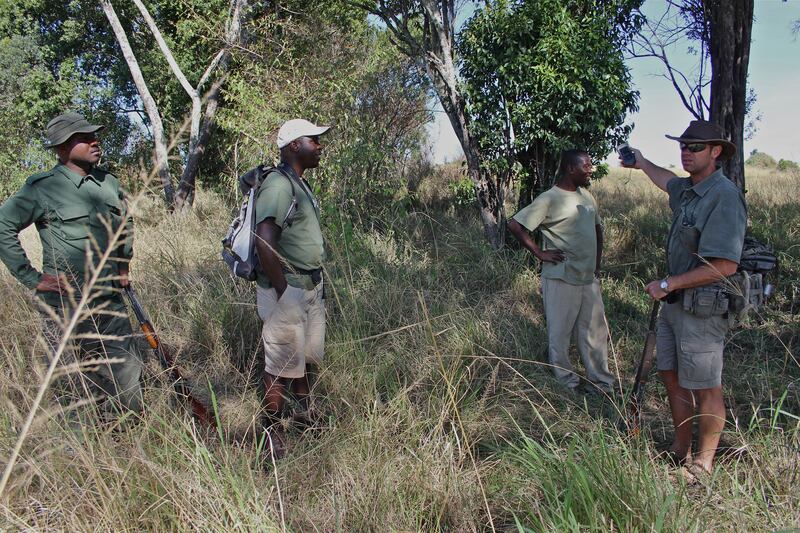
[(296, 128)]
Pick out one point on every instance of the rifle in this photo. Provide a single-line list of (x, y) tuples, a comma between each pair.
[(642, 372), (199, 410)]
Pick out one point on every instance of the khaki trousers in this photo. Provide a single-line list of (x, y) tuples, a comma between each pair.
[(294, 329), (576, 310)]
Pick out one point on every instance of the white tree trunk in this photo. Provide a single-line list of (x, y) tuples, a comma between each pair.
[(197, 106), (440, 16), (234, 31), (161, 152)]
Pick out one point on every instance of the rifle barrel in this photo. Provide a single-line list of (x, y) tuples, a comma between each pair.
[(199, 410)]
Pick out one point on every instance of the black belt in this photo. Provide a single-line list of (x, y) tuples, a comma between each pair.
[(315, 275), (673, 296)]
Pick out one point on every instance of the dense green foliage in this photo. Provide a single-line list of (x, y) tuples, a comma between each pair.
[(787, 165), (545, 76), (326, 64)]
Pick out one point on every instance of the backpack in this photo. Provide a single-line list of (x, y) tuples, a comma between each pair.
[(748, 288), (239, 244)]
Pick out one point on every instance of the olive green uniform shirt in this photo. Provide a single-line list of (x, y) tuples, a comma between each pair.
[(567, 220), (708, 221), (300, 245), (70, 213)]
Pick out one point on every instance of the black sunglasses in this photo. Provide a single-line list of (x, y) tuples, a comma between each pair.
[(694, 147)]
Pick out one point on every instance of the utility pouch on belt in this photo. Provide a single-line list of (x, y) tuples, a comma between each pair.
[(704, 302), (746, 292)]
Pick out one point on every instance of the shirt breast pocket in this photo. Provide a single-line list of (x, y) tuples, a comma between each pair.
[(73, 222), (586, 213), (690, 238)]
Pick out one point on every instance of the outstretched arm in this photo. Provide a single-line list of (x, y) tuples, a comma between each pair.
[(658, 175)]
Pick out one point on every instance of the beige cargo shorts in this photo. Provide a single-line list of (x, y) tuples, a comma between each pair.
[(690, 345), (294, 329)]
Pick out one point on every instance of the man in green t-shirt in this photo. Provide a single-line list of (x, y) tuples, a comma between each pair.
[(76, 208), (290, 252), (570, 253)]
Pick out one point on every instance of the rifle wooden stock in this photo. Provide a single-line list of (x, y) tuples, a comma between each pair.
[(642, 373), (198, 409)]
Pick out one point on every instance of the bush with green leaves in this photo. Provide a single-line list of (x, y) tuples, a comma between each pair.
[(541, 77), (761, 160), (785, 165)]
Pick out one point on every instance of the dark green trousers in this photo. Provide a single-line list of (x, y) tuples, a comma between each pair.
[(111, 379)]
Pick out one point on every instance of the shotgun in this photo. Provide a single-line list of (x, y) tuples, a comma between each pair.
[(199, 410), (642, 373)]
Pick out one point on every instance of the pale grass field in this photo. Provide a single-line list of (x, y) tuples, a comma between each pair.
[(437, 409)]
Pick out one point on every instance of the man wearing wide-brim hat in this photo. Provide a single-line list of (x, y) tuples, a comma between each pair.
[(77, 209), (704, 246)]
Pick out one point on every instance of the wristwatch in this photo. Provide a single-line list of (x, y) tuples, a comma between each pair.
[(664, 285)]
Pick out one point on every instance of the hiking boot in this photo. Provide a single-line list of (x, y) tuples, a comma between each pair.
[(274, 444)]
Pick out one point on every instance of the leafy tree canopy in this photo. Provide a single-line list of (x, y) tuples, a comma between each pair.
[(547, 75)]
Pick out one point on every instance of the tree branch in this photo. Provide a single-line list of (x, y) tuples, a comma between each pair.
[(149, 102)]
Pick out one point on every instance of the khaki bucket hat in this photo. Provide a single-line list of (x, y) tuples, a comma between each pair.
[(702, 131), (61, 128)]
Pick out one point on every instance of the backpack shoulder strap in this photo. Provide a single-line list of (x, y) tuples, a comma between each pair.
[(283, 172), (292, 211)]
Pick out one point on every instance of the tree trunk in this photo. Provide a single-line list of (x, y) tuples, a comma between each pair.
[(439, 26), (234, 35), (161, 152), (731, 23), (185, 193)]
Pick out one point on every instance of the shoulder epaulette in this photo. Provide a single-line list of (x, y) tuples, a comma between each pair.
[(38, 177)]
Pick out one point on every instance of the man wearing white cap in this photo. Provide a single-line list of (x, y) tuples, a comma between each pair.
[(290, 252)]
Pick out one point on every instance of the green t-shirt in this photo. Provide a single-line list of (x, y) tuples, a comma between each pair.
[(300, 245), (567, 220)]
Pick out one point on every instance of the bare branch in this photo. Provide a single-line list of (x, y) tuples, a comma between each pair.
[(161, 152), (162, 44)]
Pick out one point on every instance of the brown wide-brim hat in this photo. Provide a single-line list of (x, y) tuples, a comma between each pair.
[(706, 132), (61, 128)]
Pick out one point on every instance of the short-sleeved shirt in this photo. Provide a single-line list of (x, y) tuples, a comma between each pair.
[(72, 214), (567, 220), (301, 244), (708, 221)]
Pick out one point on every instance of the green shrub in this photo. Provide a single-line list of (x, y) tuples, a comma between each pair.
[(463, 192), (785, 165), (760, 159)]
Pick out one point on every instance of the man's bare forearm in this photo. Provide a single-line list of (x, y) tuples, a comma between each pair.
[(523, 237), (658, 175), (598, 229), (714, 270), (267, 235)]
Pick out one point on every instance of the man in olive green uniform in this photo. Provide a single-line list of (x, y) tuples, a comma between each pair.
[(571, 255), (704, 245), (290, 251), (76, 207)]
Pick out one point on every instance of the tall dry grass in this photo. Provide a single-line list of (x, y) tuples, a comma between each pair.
[(438, 411)]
